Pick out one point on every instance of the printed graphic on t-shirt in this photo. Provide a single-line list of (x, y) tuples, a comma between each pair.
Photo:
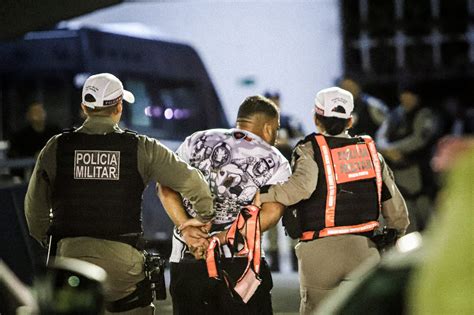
[(94, 164), (236, 164)]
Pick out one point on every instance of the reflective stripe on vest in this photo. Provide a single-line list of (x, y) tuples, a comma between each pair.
[(378, 169), (339, 230), (330, 180), (330, 211)]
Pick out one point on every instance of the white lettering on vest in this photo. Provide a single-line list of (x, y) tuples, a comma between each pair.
[(95, 164)]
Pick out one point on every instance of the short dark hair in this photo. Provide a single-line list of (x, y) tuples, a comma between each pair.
[(333, 125), (257, 104)]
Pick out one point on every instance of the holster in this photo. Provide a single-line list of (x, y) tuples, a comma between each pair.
[(141, 297), (292, 224)]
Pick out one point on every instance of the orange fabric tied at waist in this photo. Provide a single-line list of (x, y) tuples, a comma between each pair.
[(247, 223), (340, 230), (211, 258)]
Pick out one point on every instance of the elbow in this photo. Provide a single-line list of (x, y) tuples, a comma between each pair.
[(307, 190), (305, 194), (164, 192)]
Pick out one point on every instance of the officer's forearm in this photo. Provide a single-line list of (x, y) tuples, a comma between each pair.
[(173, 204), (195, 189), (301, 183), (170, 170)]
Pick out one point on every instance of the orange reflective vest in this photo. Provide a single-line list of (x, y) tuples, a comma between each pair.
[(349, 193)]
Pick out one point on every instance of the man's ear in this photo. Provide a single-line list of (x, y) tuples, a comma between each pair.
[(84, 109), (267, 129), (118, 108)]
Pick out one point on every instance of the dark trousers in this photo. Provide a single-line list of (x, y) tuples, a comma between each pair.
[(193, 292)]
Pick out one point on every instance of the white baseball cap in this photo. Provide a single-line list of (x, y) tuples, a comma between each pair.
[(104, 90), (334, 102)]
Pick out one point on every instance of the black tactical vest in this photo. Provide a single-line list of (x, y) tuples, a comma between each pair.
[(356, 201), (98, 189)]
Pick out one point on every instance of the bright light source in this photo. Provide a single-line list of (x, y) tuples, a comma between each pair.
[(168, 113), (147, 111), (73, 281), (409, 242)]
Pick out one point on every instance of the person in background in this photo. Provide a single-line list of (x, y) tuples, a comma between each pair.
[(339, 187), (406, 140), (85, 193), (289, 134), (291, 130), (458, 120), (236, 162), (369, 112), (28, 141)]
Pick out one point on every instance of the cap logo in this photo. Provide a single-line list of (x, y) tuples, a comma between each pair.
[(339, 99), (92, 88)]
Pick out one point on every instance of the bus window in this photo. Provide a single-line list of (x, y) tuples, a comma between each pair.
[(142, 101), (166, 110)]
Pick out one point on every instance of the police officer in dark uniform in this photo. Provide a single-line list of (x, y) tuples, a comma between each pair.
[(339, 187), (86, 192), (406, 140), (369, 112)]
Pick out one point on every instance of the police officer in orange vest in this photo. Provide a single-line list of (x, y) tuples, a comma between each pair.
[(339, 187)]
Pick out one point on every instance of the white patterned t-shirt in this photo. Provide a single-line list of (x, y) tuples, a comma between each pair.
[(236, 163)]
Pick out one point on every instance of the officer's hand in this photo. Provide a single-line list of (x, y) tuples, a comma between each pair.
[(194, 231), (204, 227), (199, 252), (197, 246)]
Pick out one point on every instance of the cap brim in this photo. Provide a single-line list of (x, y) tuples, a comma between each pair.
[(128, 96)]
